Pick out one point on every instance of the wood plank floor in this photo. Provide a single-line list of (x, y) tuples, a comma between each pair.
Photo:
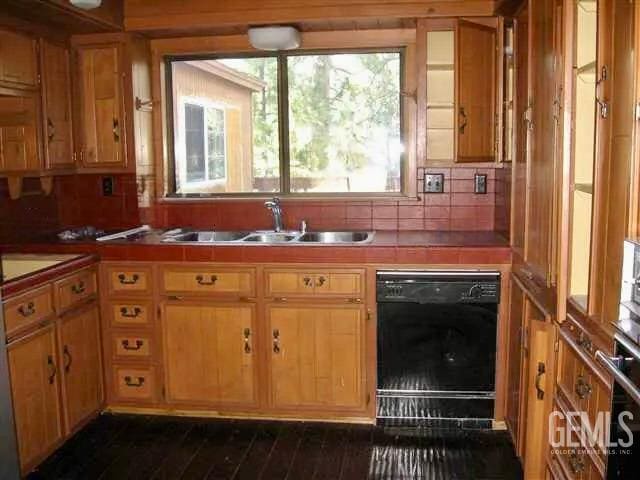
[(164, 448)]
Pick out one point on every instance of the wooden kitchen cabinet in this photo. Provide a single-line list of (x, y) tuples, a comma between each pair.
[(35, 386), (81, 366), (314, 283), (515, 355), (316, 356), (210, 353), (19, 147), (476, 91), (56, 106), (101, 106), (18, 60)]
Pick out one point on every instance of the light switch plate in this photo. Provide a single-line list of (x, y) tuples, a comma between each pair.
[(480, 184), (433, 183), (108, 186)]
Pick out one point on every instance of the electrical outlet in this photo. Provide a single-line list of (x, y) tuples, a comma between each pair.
[(480, 185), (108, 186), (433, 183)]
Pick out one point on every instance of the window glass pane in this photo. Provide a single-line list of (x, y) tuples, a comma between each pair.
[(344, 122), (194, 142), (238, 150)]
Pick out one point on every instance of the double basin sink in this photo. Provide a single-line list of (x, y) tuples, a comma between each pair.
[(269, 237)]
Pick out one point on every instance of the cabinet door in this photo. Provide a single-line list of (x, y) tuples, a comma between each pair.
[(476, 74), (81, 366), (514, 372), (56, 89), (19, 150), (316, 356), (544, 138), (101, 107), (537, 390), (18, 60), (35, 387), (209, 353)]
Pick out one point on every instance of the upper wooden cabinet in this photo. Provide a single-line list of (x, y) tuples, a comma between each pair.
[(56, 106), (461, 91), (102, 108), (18, 60), (114, 108), (19, 133), (476, 89)]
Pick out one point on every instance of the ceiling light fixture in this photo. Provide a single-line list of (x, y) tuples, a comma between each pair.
[(274, 38), (86, 4)]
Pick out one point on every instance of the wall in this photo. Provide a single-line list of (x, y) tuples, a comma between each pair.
[(458, 208), (76, 200)]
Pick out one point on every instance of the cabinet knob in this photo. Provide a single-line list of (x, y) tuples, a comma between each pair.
[(78, 288), (201, 280), (247, 346), (122, 278), (127, 346), (53, 370), (68, 359), (321, 281), (130, 382), (276, 341), (27, 310), (133, 313), (582, 388), (541, 372)]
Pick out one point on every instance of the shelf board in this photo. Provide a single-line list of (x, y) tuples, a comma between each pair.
[(584, 187), (440, 106), (588, 68), (446, 67)]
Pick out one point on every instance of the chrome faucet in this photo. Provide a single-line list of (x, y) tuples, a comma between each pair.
[(276, 211)]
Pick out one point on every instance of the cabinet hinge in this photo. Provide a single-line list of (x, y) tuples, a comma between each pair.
[(159, 312), (368, 398), (556, 345), (164, 393), (369, 315), (638, 111), (39, 79)]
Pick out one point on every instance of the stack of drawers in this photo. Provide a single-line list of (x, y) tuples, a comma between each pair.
[(130, 334)]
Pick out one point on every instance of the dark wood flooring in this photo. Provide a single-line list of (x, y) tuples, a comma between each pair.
[(162, 448)]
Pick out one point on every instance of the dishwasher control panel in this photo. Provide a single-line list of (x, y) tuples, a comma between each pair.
[(438, 287)]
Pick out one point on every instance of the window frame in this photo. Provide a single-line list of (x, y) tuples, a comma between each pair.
[(283, 124), (205, 105)]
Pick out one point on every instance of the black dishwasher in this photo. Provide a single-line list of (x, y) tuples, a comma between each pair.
[(437, 347)]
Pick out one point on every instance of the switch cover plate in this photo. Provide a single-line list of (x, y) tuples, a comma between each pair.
[(108, 186), (480, 184), (433, 183)]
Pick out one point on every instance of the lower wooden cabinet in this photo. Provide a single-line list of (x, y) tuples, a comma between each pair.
[(209, 353), (81, 366), (35, 385), (316, 356)]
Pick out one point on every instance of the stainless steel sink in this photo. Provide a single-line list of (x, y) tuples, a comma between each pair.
[(267, 237), (336, 237), (207, 237), (271, 237)]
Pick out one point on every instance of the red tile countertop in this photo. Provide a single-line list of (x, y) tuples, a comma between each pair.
[(411, 247)]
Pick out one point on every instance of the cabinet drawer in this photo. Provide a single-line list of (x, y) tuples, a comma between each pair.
[(132, 346), (129, 314), (27, 309), (129, 280), (315, 283), (74, 289), (133, 383), (213, 280)]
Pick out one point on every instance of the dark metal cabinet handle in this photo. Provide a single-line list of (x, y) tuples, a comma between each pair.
[(51, 130), (201, 281), (582, 388), (68, 359), (247, 334), (541, 372), (576, 463), (321, 281), (53, 370), (463, 124), (78, 288), (126, 313), (122, 278), (116, 130), (307, 281), (129, 382), (127, 346), (276, 341), (27, 310)]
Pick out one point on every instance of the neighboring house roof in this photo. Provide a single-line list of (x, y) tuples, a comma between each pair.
[(220, 70)]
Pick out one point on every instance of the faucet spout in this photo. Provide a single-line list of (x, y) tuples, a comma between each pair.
[(276, 210)]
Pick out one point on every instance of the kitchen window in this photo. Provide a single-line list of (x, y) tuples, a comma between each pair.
[(295, 123)]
